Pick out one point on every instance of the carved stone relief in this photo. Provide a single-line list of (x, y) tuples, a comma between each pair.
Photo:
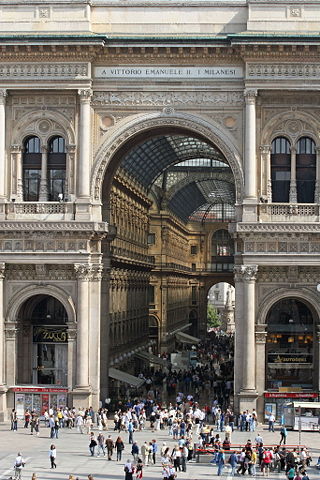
[(178, 99)]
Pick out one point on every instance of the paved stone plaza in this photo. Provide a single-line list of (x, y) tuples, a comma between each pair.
[(73, 454)]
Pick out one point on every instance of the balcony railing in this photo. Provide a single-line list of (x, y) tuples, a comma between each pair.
[(287, 212), (40, 210)]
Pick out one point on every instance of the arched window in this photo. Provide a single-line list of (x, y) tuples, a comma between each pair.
[(31, 169), (56, 169), (280, 169), (306, 170), (222, 251)]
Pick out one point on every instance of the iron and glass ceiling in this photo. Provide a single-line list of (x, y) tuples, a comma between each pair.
[(194, 176)]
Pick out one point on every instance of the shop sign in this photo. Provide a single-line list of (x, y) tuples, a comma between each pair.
[(39, 389), (292, 358), (290, 395), (50, 334)]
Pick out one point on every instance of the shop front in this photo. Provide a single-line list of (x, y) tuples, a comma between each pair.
[(274, 402), (38, 399)]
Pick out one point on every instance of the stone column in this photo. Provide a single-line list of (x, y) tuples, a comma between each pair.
[(72, 357), (317, 186), (3, 176), (84, 144), (95, 328), (43, 194), (84, 272), (2, 374), (238, 344), (3, 388), (248, 393), (266, 192), (250, 163), (293, 177), (261, 335)]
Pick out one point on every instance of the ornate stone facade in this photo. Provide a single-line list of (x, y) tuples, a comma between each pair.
[(110, 249)]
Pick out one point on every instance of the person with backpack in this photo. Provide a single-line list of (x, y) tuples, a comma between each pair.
[(18, 466)]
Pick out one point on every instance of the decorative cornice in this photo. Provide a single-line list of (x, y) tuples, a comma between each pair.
[(278, 227), (94, 227)]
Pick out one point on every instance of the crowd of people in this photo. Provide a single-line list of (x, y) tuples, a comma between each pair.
[(195, 414)]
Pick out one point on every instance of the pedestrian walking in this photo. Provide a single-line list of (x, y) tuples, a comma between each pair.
[(119, 448), (220, 462), (128, 470), (283, 435), (139, 468), (92, 444), (110, 447), (18, 466), (53, 456), (14, 420), (100, 441)]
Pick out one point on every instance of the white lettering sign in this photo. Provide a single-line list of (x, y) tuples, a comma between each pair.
[(156, 72)]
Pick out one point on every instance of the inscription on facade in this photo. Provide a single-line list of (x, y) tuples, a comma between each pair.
[(158, 72)]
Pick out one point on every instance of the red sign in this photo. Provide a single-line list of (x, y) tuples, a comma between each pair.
[(45, 403), (39, 390), (291, 395)]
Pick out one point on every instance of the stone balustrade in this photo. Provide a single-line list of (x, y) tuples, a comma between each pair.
[(288, 212)]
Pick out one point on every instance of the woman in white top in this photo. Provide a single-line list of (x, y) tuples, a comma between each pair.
[(53, 456)]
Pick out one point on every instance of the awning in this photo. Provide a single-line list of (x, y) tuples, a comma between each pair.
[(125, 377), (185, 338), (149, 357)]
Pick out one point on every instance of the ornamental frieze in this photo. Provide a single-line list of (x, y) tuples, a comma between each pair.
[(54, 70), (283, 71), (289, 274), (282, 247), (145, 99)]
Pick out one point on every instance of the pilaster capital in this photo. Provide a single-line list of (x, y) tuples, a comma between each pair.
[(71, 148), (83, 271), (16, 148), (85, 95), (44, 149), (250, 95), (318, 150), (293, 150), (97, 269), (246, 273), (72, 334), (10, 331), (265, 149), (3, 94)]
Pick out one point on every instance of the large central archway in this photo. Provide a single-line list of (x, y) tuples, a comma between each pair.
[(169, 183)]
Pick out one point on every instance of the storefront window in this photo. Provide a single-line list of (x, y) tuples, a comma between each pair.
[(289, 347)]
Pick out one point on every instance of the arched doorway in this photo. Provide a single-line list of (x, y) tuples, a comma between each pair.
[(42, 342), (291, 353)]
